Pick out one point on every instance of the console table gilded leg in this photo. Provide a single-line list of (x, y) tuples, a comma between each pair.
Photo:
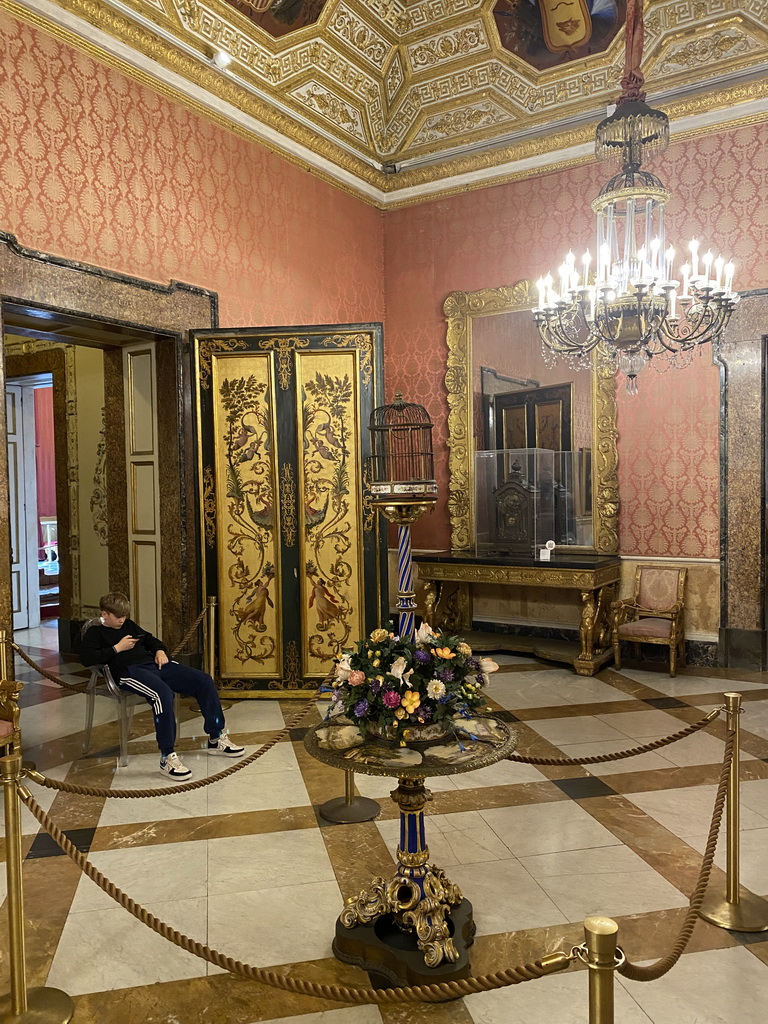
[(594, 630), (419, 895)]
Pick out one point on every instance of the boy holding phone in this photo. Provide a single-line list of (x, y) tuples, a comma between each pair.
[(139, 662)]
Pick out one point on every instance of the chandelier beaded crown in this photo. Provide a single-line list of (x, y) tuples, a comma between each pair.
[(633, 310)]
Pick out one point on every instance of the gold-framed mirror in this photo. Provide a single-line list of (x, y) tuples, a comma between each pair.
[(478, 322)]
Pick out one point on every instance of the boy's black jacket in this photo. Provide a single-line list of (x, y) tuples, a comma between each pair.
[(98, 647)]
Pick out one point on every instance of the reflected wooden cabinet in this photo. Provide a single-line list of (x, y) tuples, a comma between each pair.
[(291, 549)]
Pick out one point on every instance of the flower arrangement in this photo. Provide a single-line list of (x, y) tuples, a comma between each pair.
[(392, 685)]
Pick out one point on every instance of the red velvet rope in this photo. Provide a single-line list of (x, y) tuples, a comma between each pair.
[(633, 80)]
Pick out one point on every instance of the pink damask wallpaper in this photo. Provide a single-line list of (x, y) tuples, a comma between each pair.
[(98, 168), (499, 235)]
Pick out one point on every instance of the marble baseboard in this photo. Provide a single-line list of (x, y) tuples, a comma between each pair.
[(697, 652)]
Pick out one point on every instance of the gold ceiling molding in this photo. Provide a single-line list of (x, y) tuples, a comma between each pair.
[(377, 84)]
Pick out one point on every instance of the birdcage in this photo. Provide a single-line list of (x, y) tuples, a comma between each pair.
[(401, 464)]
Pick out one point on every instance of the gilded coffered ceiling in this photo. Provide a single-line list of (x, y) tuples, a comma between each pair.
[(399, 100)]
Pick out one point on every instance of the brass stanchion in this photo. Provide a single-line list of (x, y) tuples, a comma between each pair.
[(35, 1005), (741, 910), (6, 656), (349, 809), (600, 941), (209, 638)]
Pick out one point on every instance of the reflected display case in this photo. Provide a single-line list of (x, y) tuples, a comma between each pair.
[(525, 497)]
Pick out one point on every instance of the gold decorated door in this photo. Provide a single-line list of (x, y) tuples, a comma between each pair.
[(291, 549)]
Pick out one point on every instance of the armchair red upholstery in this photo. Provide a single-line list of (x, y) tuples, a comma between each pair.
[(654, 613)]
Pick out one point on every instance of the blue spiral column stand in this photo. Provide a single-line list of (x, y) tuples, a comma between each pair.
[(405, 595)]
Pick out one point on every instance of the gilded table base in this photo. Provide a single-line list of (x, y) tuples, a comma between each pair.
[(419, 896)]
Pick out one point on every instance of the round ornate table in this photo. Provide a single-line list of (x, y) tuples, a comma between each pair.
[(416, 926)]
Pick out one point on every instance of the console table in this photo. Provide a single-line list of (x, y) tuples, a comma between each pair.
[(594, 576)]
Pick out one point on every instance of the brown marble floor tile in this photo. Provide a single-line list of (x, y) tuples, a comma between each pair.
[(453, 1012), (358, 854)]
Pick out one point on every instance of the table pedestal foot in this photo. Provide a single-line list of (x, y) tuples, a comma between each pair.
[(349, 809), (393, 957)]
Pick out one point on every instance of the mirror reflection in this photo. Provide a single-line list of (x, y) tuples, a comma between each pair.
[(538, 417)]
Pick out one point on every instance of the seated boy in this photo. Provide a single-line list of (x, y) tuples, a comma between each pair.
[(139, 662)]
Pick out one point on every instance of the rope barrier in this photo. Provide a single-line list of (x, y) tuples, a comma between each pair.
[(188, 635), (633, 971), (619, 755), (182, 787), (339, 993)]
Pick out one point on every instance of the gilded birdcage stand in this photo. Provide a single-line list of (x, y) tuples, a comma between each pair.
[(402, 486)]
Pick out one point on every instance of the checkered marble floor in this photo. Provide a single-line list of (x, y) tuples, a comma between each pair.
[(247, 866)]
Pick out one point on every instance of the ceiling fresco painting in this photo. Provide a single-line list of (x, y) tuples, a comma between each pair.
[(279, 17), (398, 96), (545, 33)]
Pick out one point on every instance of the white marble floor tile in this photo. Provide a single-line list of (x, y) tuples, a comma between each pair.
[(651, 761), (243, 863), (148, 874), (754, 795), (503, 658), (378, 787), (753, 856), (639, 724), (272, 781), (724, 986), (700, 748), (584, 690), (547, 828), (682, 685), (42, 796), (584, 729), (100, 950), (349, 1015), (53, 719), (504, 897), (143, 772), (688, 812), (527, 690), (503, 773), (610, 881), (558, 999), (275, 926)]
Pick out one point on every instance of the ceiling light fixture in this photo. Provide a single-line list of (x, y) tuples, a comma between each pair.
[(631, 311)]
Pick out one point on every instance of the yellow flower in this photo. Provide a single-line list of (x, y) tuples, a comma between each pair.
[(399, 712), (443, 652), (380, 678), (378, 635), (376, 662), (464, 649), (410, 701)]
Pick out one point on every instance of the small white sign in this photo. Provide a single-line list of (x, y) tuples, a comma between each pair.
[(545, 554)]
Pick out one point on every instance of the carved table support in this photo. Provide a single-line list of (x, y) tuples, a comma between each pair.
[(594, 630), (419, 895)]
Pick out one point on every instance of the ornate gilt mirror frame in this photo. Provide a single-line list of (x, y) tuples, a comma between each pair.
[(461, 308)]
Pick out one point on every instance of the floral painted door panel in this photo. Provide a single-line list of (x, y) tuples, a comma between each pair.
[(291, 550)]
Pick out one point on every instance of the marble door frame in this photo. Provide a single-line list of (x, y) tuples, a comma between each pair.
[(64, 286)]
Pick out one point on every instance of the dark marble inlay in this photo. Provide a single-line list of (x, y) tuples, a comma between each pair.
[(298, 734), (664, 703), (581, 789), (505, 716), (44, 846)]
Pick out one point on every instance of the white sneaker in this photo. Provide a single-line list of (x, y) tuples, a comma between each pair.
[(224, 745), (173, 766)]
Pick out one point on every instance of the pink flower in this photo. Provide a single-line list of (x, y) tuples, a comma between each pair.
[(356, 677), (391, 698)]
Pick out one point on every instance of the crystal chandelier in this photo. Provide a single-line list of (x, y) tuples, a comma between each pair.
[(631, 310)]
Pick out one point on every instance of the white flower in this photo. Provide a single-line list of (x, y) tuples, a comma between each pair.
[(487, 665), (343, 669), (424, 634), (435, 689), (398, 667)]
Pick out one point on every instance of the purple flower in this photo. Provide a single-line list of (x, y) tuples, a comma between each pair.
[(446, 675), (361, 708), (421, 656), (376, 685), (473, 663), (424, 713), (480, 678)]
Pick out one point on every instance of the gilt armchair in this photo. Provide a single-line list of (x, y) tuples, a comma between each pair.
[(10, 732), (653, 614)]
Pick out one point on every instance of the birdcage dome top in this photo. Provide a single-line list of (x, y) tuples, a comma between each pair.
[(401, 413)]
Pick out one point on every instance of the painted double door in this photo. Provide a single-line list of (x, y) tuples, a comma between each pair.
[(292, 550)]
